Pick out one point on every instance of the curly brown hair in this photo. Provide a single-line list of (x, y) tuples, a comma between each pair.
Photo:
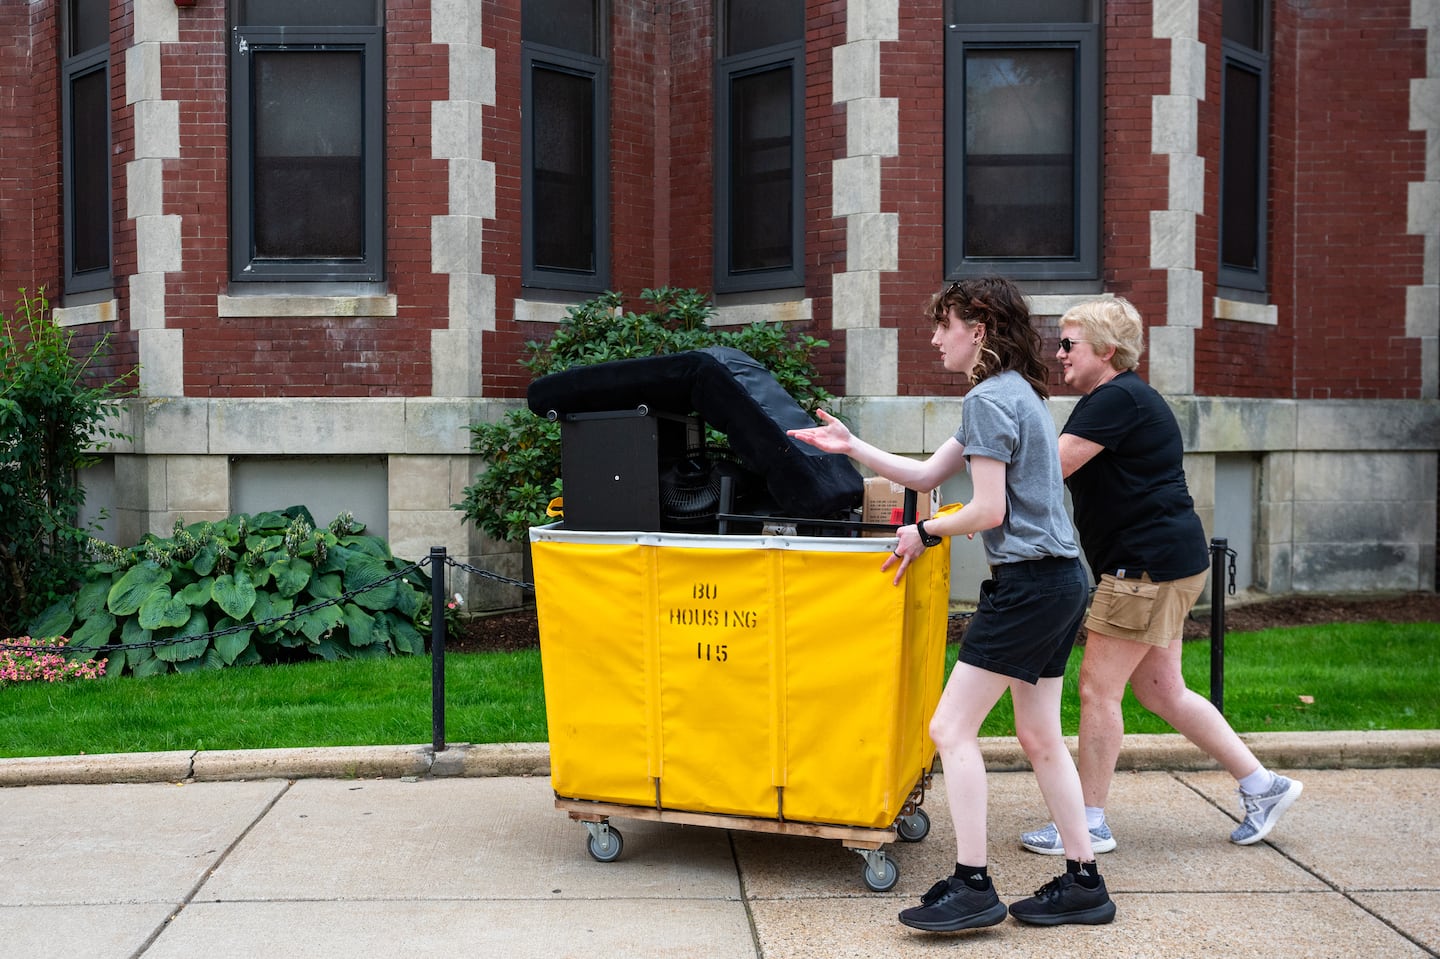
[(1011, 341)]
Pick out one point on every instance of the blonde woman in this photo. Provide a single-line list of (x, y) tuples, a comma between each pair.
[(1121, 454)]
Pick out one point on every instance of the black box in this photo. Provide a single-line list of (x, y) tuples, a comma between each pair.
[(610, 464)]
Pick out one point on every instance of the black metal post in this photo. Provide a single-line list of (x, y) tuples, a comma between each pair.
[(437, 648), (1219, 549)]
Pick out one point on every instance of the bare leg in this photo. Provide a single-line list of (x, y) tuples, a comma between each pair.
[(1037, 725), (968, 698), (1104, 672), (1160, 687)]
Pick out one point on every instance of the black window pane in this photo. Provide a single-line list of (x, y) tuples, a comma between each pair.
[(1029, 11), (89, 25), (761, 171), (308, 189), (90, 171), (756, 24), (310, 13), (564, 24), (1240, 170), (563, 185), (1020, 153), (1243, 23)]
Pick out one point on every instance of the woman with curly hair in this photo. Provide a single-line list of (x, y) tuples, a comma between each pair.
[(1029, 610)]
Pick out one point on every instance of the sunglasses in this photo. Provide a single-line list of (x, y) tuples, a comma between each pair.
[(1068, 344)]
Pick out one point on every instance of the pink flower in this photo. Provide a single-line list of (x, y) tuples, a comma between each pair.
[(37, 660)]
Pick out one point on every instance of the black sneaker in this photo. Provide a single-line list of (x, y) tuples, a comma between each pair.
[(1063, 900), (950, 905)]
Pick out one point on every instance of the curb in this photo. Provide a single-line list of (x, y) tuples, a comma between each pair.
[(1375, 749)]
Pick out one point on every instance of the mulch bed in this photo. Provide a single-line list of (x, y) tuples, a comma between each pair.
[(518, 629)]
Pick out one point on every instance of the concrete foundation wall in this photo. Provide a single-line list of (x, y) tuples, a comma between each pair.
[(1344, 493), (181, 461)]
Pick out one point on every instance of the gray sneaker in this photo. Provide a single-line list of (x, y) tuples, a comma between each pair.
[(1262, 812), (1046, 841)]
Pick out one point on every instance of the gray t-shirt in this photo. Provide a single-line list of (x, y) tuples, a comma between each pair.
[(1004, 419)]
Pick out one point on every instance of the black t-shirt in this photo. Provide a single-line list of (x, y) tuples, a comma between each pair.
[(1133, 510)]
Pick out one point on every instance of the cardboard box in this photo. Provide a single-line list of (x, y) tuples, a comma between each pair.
[(885, 503)]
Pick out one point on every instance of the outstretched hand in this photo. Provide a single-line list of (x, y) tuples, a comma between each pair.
[(832, 436)]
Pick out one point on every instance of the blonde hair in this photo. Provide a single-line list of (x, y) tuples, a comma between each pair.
[(1112, 321)]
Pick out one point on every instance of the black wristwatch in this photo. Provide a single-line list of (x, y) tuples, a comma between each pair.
[(927, 539)]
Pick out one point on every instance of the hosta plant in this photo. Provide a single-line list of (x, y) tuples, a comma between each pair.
[(269, 587)]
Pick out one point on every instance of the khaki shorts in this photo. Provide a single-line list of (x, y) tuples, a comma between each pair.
[(1142, 610)]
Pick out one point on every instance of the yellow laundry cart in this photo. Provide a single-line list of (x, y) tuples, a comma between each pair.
[(767, 682)]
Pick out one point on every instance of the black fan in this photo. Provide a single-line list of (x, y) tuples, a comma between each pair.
[(690, 491)]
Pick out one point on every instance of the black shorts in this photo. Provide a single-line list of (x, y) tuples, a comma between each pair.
[(1027, 618)]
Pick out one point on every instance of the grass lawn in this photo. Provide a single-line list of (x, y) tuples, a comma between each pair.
[(1306, 678)]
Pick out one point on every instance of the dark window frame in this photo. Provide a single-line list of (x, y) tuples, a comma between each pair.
[(245, 265), (72, 69), (535, 57), (1257, 62), (1085, 39), (789, 56)]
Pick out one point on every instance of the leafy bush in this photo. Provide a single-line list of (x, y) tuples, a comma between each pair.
[(21, 663), (49, 421), (522, 450), (237, 592)]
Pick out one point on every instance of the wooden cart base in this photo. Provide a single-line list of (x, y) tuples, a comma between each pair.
[(880, 873)]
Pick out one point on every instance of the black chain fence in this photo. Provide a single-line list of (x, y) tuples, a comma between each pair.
[(438, 560)]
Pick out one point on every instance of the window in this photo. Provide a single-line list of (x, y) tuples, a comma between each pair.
[(307, 117), (85, 118), (760, 155), (1244, 150), (1022, 139), (564, 131)]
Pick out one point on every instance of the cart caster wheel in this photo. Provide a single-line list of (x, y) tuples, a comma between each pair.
[(880, 873), (605, 843), (913, 828)]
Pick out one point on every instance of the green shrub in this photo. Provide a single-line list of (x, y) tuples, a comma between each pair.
[(49, 421), (242, 589), (522, 450)]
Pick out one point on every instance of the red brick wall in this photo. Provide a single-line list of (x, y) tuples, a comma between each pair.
[(913, 185), (662, 149), (1342, 156), (31, 205), (1353, 159), (306, 356), (500, 28), (691, 42), (824, 144), (1136, 180), (637, 87), (29, 152)]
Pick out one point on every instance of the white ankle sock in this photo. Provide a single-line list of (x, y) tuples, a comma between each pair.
[(1257, 782), (1094, 817)]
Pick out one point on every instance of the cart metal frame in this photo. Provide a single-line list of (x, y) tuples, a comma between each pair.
[(880, 873)]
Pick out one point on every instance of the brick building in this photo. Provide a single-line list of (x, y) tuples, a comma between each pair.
[(324, 230)]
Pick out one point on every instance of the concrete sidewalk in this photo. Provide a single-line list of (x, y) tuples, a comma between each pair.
[(393, 852)]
